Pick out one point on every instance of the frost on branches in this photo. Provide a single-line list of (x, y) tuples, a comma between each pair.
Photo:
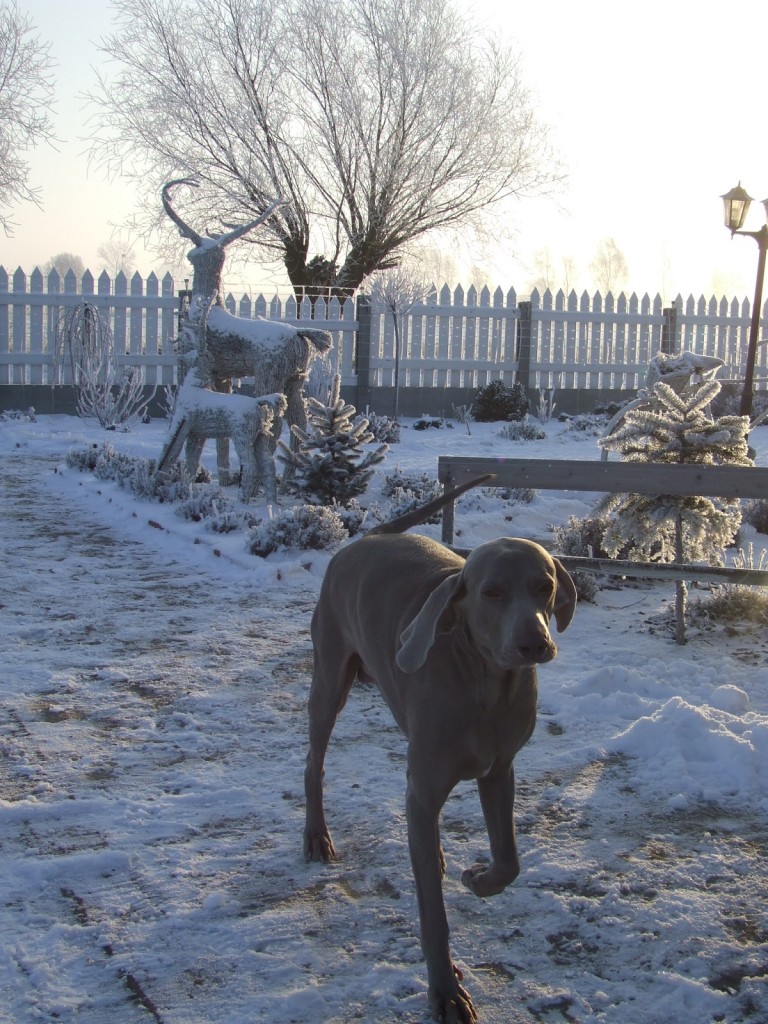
[(665, 528), (330, 463)]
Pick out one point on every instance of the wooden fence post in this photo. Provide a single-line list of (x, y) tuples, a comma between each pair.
[(524, 334), (669, 329), (363, 352)]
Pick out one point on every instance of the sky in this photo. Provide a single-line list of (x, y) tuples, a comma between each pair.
[(653, 115)]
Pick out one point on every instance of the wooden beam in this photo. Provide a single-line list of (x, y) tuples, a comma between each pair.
[(610, 477)]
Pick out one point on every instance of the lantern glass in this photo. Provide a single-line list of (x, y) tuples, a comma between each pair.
[(735, 207)]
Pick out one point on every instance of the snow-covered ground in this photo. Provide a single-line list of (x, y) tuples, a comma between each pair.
[(153, 736)]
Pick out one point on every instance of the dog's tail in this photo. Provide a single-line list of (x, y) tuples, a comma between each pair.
[(420, 515)]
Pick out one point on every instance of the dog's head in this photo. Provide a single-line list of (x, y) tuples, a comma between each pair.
[(505, 596)]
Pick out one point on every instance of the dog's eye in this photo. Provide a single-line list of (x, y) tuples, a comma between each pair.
[(492, 593)]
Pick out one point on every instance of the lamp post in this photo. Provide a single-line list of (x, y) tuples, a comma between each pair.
[(736, 206)]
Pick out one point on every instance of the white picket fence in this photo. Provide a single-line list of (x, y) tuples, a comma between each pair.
[(455, 340), (143, 317)]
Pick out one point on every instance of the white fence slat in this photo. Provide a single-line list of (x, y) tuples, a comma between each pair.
[(36, 331), (5, 339)]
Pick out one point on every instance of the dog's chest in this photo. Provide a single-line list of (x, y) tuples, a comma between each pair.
[(490, 734)]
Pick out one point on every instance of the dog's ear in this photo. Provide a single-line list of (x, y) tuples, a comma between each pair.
[(436, 616), (565, 597)]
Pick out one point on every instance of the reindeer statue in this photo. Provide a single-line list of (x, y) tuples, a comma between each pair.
[(217, 347)]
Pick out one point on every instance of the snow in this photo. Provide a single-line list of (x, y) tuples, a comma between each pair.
[(266, 333), (151, 807)]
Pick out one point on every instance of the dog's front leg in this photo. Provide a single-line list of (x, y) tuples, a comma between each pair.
[(449, 1001), (497, 797)]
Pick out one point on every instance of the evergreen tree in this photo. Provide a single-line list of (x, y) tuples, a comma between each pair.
[(330, 464), (667, 528)]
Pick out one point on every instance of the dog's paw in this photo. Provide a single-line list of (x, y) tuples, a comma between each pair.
[(456, 1008), (318, 846), (487, 880)]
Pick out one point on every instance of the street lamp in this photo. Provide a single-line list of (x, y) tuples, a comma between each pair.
[(735, 207)]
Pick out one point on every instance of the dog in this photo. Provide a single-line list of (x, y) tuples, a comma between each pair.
[(453, 645)]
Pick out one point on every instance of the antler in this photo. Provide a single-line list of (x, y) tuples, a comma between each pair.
[(184, 229), (242, 229), (222, 240)]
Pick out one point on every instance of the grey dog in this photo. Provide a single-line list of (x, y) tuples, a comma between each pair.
[(453, 645)]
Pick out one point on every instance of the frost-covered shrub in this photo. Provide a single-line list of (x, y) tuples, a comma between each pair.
[(230, 521), (522, 430), (307, 527), (135, 474), (583, 538), (352, 515), (409, 491), (385, 430), (404, 501), (425, 423), (514, 495), (205, 504), (27, 416), (734, 603), (499, 401), (145, 483), (422, 485), (755, 512), (585, 423), (104, 390)]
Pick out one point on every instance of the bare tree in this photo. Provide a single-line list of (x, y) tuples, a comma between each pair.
[(547, 274), (544, 270), (64, 261), (117, 255), (376, 120), (26, 91), (569, 274), (609, 267), (397, 290)]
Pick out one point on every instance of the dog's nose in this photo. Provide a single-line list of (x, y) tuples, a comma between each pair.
[(536, 652)]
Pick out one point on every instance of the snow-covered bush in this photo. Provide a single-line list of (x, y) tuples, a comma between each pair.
[(499, 401), (428, 423), (671, 528), (135, 474), (384, 429), (546, 405), (307, 527), (205, 504), (585, 423), (404, 501), (755, 512), (26, 416), (230, 521), (105, 391), (424, 486), (522, 430), (583, 538), (735, 604), (330, 463), (514, 495), (352, 515)]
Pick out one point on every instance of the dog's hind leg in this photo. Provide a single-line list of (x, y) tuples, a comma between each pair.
[(332, 680)]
